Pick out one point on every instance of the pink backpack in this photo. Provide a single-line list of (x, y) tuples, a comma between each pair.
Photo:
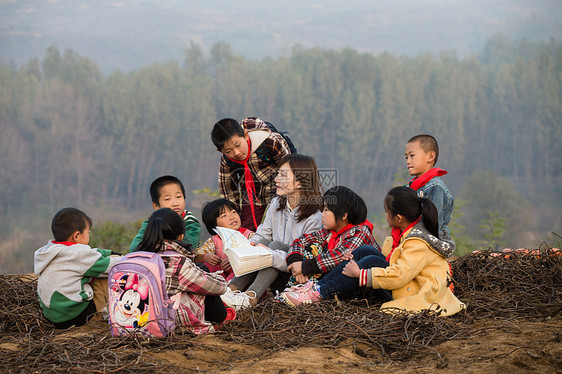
[(138, 301)]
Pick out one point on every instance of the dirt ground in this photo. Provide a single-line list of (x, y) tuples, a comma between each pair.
[(522, 347), (513, 324), (516, 346)]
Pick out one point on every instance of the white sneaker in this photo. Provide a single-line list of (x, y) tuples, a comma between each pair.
[(236, 299)]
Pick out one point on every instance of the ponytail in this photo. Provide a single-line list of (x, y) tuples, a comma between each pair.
[(429, 216), (163, 224), (404, 201)]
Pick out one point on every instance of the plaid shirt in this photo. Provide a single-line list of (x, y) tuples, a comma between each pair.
[(231, 181), (348, 241), (184, 277)]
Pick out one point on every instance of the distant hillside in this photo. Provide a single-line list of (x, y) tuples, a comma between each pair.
[(128, 34)]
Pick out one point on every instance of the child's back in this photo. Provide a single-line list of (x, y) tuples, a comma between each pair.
[(64, 271), (65, 268), (195, 291)]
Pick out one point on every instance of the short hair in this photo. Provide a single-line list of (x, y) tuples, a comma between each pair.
[(428, 143), (340, 200), (67, 221), (161, 182), (212, 210), (224, 130)]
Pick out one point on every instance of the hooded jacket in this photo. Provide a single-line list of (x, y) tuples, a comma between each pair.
[(418, 274), (65, 270)]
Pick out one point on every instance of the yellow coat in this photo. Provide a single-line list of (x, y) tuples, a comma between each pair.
[(418, 274)]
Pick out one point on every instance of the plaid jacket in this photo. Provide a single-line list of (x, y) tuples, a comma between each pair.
[(348, 241), (231, 176), (184, 277)]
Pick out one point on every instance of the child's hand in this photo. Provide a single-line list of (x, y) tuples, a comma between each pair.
[(212, 259), (347, 256), (295, 268), (301, 278), (351, 269), (261, 245), (225, 264)]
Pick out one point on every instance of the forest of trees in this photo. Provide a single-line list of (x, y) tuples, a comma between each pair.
[(73, 137)]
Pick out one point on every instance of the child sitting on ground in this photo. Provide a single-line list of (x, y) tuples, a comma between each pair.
[(200, 304), (417, 271), (168, 192), (345, 229), (67, 266), (222, 213)]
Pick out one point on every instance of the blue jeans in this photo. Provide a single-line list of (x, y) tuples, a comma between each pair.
[(335, 282)]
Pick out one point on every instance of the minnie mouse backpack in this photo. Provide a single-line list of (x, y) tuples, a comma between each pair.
[(138, 301)]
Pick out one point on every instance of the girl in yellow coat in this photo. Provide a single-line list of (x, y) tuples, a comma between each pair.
[(415, 270)]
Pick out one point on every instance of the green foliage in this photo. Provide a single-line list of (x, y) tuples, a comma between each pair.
[(485, 192), (208, 192), (72, 137), (401, 177), (463, 242), (494, 229), (114, 236)]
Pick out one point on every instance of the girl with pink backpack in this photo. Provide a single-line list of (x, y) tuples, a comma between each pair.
[(195, 292)]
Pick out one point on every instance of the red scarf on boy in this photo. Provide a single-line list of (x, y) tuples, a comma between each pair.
[(249, 181), (418, 182)]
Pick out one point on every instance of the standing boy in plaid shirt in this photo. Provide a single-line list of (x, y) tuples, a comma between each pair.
[(250, 157)]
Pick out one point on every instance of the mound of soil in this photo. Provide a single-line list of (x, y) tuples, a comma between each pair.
[(512, 324)]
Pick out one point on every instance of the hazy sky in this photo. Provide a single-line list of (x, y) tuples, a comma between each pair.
[(125, 34)]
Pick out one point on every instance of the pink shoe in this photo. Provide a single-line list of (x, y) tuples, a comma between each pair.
[(307, 295), (299, 287)]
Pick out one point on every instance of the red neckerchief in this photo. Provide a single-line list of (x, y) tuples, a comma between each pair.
[(418, 182), (336, 235), (249, 181), (397, 236), (68, 244), (415, 184), (183, 214)]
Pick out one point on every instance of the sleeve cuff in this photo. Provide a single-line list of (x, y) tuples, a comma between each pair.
[(309, 267), (366, 278), (294, 257)]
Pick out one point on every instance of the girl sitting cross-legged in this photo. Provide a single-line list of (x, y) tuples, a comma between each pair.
[(416, 270)]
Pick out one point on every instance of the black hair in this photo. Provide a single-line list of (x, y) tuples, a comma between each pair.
[(340, 200), (428, 143), (212, 210), (405, 201), (67, 221), (163, 224), (224, 130), (161, 182)]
